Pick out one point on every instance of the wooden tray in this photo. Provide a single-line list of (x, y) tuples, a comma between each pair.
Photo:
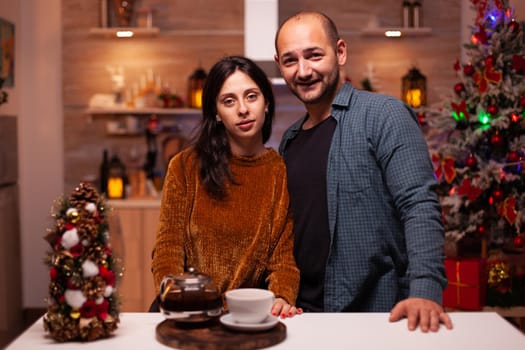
[(215, 336)]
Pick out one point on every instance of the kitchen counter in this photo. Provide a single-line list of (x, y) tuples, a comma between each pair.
[(363, 331), (135, 203)]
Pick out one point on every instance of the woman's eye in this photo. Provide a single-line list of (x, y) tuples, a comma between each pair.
[(228, 102), (251, 97)]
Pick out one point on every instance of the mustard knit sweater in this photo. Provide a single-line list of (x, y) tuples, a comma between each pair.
[(245, 240)]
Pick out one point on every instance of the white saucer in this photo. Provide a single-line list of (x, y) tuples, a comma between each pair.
[(268, 323)]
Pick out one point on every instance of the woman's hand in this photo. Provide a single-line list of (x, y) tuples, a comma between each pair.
[(283, 309)]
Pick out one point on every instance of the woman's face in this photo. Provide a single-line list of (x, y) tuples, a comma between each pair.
[(241, 108)]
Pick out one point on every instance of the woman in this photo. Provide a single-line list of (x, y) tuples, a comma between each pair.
[(225, 203)]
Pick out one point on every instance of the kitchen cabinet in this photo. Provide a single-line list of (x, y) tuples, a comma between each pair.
[(138, 220)]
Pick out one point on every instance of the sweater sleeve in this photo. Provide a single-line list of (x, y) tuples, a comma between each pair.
[(283, 274), (168, 249)]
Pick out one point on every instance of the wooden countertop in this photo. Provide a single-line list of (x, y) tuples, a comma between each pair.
[(135, 203)]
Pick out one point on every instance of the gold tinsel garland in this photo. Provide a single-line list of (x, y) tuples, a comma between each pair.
[(83, 304)]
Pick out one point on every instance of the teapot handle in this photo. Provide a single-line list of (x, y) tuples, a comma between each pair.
[(166, 281)]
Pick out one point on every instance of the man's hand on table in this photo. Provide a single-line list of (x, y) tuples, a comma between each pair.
[(424, 313)]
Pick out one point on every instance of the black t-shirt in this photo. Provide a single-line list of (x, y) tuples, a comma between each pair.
[(306, 160)]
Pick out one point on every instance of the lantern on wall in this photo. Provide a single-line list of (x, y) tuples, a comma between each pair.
[(195, 86), (414, 88)]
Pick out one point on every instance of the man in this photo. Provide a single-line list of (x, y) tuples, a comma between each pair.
[(368, 230)]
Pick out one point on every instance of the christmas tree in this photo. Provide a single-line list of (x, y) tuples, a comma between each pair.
[(477, 141), (83, 304)]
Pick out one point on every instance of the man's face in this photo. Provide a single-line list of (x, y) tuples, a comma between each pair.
[(308, 61)]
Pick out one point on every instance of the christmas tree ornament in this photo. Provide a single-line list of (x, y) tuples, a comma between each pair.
[(468, 70), (459, 88), (421, 117), (522, 101), (518, 64), (82, 302), (519, 241), (514, 27), (492, 110), (471, 161), (513, 157), (496, 139), (481, 230)]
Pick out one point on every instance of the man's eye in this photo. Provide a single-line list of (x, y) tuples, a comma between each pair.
[(288, 61)]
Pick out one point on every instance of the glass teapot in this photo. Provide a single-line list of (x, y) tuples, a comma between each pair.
[(189, 297)]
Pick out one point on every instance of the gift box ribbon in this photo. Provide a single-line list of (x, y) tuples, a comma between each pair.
[(459, 285)]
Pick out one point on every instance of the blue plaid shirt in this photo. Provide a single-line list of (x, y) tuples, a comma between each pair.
[(385, 218)]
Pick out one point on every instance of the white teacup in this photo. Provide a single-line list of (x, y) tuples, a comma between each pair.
[(249, 305)]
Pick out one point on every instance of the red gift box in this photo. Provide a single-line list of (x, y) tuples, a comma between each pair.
[(467, 281)]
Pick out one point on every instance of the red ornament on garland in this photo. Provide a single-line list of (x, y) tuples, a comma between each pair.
[(459, 88), (492, 109), (522, 101), (489, 60)]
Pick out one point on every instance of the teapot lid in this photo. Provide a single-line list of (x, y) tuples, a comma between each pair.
[(191, 277)]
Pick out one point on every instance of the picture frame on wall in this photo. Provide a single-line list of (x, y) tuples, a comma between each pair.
[(7, 52)]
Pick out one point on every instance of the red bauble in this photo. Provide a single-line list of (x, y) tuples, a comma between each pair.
[(421, 117), (53, 273), (496, 139), (513, 157), (522, 101), (518, 241), (471, 161), (481, 230), (497, 195), (514, 26), (489, 60), (468, 70), (492, 109), (459, 88)]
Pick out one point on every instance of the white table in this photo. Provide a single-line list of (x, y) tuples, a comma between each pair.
[(358, 331)]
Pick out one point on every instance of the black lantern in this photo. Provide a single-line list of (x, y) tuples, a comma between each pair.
[(414, 89), (116, 179), (195, 86)]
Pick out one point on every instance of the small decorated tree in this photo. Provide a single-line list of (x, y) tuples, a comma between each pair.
[(83, 304), (477, 140)]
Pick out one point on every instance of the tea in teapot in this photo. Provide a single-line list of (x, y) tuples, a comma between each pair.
[(189, 297)]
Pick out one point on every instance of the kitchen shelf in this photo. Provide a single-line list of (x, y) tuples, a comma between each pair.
[(143, 111), (405, 32), (112, 31)]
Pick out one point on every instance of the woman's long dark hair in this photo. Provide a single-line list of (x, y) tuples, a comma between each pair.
[(212, 145)]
